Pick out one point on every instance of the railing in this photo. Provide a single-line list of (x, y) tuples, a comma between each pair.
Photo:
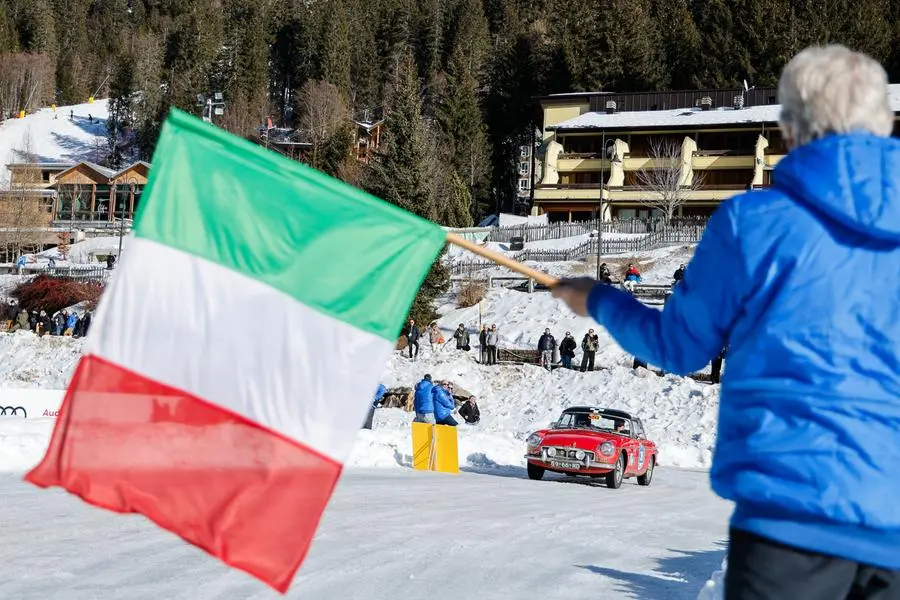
[(669, 236), (556, 231), (80, 272)]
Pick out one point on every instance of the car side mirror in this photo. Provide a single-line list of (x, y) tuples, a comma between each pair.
[(552, 425)]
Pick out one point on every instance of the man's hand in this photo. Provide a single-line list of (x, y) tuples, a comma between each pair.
[(574, 292)]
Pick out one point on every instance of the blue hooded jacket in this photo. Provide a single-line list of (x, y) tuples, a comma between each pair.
[(803, 281), (423, 401), (443, 403)]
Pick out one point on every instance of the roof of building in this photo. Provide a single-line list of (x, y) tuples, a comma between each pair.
[(40, 165), (682, 117), (104, 171)]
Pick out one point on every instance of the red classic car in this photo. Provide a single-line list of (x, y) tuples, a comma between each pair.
[(598, 442)]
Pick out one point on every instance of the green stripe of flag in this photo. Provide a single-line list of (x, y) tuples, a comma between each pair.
[(325, 243)]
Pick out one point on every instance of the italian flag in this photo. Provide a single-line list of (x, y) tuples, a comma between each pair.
[(236, 351)]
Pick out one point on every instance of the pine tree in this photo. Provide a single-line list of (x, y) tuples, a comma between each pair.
[(336, 48), (680, 41), (724, 59), (460, 119), (400, 173), (121, 109)]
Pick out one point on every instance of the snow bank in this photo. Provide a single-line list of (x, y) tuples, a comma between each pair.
[(86, 251), (53, 137), (714, 588)]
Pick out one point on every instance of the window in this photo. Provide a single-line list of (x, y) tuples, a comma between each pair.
[(523, 167), (523, 152), (523, 185)]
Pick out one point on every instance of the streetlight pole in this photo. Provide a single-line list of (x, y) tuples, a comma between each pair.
[(600, 216)]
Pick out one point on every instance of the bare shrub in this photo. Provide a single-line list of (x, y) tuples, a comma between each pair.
[(471, 293)]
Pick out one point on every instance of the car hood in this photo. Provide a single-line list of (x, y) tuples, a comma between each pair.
[(585, 440)]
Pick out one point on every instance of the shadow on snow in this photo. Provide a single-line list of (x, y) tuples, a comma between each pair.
[(678, 577)]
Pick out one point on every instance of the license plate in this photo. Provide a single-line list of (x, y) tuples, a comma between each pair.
[(564, 465)]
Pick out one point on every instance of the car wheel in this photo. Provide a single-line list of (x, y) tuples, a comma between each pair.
[(614, 477), (648, 474), (535, 472)]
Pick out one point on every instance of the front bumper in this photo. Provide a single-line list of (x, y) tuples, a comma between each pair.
[(583, 466)]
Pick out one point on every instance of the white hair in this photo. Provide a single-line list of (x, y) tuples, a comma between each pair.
[(831, 89)]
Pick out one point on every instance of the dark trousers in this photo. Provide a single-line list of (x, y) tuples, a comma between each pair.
[(492, 355), (410, 346), (587, 361), (760, 569), (716, 370), (448, 421), (566, 361), (638, 363)]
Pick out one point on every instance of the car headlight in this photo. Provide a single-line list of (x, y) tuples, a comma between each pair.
[(579, 455), (551, 451), (606, 448), (534, 440)]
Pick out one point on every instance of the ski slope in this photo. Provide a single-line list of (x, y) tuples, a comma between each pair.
[(53, 137), (394, 535)]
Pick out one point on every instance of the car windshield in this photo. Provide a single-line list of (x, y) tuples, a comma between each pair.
[(594, 422)]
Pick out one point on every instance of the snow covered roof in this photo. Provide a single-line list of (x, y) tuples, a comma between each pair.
[(41, 165), (686, 117)]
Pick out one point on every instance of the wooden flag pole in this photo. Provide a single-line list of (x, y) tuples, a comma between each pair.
[(503, 261)]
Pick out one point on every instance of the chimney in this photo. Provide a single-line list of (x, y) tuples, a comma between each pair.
[(610, 107), (705, 103), (737, 102)]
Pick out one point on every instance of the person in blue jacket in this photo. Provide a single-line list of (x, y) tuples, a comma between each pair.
[(808, 446), (444, 405), (423, 401)]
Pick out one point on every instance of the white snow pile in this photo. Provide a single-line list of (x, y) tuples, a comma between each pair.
[(85, 251), (50, 136), (714, 588)]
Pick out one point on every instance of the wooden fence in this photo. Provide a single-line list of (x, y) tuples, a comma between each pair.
[(556, 231)]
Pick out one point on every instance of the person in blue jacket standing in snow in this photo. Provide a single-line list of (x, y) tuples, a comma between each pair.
[(444, 404), (424, 401), (370, 417), (808, 445)]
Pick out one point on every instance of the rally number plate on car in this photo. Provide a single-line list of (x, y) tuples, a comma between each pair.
[(564, 465)]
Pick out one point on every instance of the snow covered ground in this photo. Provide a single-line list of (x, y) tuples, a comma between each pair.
[(395, 534), (53, 137)]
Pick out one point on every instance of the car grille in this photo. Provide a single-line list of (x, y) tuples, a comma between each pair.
[(569, 453)]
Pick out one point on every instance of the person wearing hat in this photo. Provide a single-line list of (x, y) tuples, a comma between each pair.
[(424, 402)]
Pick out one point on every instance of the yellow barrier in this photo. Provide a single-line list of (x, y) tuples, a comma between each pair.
[(435, 448), (21, 114), (91, 100)]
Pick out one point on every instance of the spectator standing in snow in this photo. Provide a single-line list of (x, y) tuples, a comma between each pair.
[(110, 261), (59, 322), (444, 405), (810, 405), (45, 324), (482, 341), (435, 337), (492, 338), (469, 411), (33, 320), (546, 346), (679, 274), (589, 345), (51, 263), (85, 322), (567, 350), (423, 401), (632, 278), (71, 322), (461, 335), (605, 275), (412, 338)]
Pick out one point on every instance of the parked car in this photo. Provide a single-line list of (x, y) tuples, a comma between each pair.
[(598, 442)]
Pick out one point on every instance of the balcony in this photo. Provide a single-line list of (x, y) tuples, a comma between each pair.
[(567, 163), (703, 161), (591, 192), (567, 191)]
